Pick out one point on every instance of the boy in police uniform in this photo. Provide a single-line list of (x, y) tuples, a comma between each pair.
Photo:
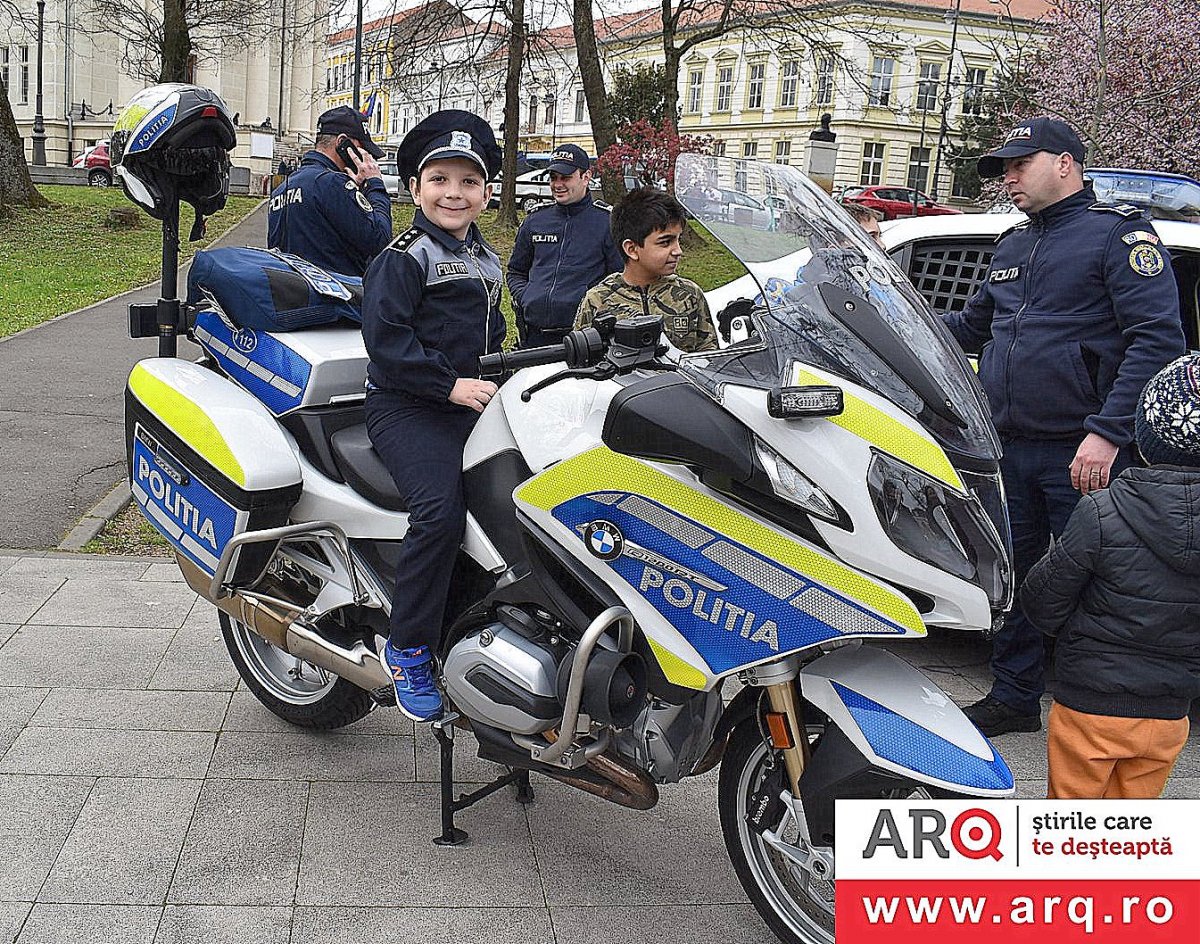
[(431, 309), (647, 226)]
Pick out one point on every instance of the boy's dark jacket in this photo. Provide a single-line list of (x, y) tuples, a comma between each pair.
[(1121, 590)]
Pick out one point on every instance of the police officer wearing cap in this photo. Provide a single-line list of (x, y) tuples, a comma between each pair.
[(431, 309), (1078, 311), (561, 251), (334, 209)]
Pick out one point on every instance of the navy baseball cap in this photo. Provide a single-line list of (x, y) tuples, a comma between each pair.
[(1029, 137), (345, 120), (449, 134), (568, 159)]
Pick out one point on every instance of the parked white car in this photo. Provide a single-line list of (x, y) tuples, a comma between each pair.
[(946, 258)]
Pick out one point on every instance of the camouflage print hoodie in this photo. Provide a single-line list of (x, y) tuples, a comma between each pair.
[(685, 314)]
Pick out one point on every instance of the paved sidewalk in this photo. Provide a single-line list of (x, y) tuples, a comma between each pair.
[(146, 799), (62, 408)]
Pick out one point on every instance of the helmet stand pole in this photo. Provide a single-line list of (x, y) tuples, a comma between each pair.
[(168, 303)]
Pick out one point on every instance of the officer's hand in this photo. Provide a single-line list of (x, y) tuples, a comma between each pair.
[(1092, 463), (368, 167), (473, 393)]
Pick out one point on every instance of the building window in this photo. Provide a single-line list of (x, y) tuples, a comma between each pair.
[(4, 69), (394, 125), (695, 91), (718, 149), (927, 86), (531, 126), (973, 90), (23, 65), (783, 152), (750, 150), (824, 81), (580, 107), (754, 95), (872, 164), (739, 176), (551, 113), (918, 168), (882, 68), (789, 80), (724, 88)]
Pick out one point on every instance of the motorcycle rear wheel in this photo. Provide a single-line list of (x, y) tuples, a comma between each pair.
[(299, 692), (796, 905)]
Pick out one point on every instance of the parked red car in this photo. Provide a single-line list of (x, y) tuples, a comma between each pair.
[(895, 202), (96, 161)]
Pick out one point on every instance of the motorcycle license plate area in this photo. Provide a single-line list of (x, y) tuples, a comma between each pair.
[(207, 462)]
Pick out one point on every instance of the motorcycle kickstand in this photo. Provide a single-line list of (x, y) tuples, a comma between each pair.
[(443, 730)]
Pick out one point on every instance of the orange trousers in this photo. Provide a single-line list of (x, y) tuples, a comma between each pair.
[(1100, 757)]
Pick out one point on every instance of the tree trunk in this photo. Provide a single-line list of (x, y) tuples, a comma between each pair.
[(16, 188), (512, 114), (177, 42), (592, 76), (671, 57)]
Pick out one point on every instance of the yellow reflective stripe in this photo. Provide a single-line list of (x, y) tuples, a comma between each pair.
[(888, 433), (601, 469), (675, 669), (187, 421)]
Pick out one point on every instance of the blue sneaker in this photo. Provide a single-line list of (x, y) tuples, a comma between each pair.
[(411, 672)]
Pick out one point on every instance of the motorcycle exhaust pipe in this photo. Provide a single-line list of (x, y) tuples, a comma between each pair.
[(358, 665)]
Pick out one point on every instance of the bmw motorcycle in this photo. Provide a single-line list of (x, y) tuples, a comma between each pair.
[(670, 562)]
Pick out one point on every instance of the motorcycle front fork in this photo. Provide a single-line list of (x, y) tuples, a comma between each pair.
[(786, 731)]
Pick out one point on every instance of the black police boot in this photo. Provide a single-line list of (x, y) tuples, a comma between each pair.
[(994, 717)]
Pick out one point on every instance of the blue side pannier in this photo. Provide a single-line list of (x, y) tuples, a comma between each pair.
[(268, 290)]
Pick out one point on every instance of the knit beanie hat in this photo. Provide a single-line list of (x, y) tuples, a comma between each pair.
[(1167, 422)]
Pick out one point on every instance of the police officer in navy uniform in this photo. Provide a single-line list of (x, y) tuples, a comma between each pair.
[(431, 309), (334, 209), (561, 251), (1078, 311)]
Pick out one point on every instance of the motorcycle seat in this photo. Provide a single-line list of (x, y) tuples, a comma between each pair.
[(362, 468)]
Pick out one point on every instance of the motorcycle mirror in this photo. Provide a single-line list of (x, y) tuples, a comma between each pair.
[(809, 402)]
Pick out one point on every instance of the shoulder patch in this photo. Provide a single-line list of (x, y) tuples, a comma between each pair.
[(350, 184), (601, 205), (1014, 229), (405, 240), (1127, 210), (1139, 236), (363, 201), (540, 206), (1146, 260)]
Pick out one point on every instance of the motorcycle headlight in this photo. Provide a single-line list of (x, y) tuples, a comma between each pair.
[(940, 526), (792, 485)]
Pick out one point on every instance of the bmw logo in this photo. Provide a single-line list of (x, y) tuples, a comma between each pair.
[(245, 340), (604, 539)]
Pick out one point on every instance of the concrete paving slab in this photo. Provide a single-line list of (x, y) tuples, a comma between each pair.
[(589, 855), (353, 827), (134, 710), (21, 597), (98, 601), (79, 566), (728, 924), (17, 706), (312, 755), (6, 630), (6, 562), (36, 815), (71, 924), (12, 916), (69, 751), (116, 657), (197, 659), (125, 843), (243, 846), (162, 573), (246, 713), (422, 926), (193, 924)]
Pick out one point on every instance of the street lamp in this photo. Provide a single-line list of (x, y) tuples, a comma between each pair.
[(552, 108), (438, 69), (39, 127), (937, 164), (358, 24)]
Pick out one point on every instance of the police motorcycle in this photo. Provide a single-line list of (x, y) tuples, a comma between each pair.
[(667, 565)]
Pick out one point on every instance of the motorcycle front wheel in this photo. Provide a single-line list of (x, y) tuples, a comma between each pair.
[(299, 692), (796, 904)]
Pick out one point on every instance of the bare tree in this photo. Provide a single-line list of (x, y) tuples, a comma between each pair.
[(588, 52), (16, 186)]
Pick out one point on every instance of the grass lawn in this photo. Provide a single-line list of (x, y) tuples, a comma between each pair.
[(709, 264), (57, 260)]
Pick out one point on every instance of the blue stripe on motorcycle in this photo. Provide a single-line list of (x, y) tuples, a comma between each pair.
[(901, 741)]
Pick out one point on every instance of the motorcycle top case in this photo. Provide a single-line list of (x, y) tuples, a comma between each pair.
[(207, 461), (268, 290)]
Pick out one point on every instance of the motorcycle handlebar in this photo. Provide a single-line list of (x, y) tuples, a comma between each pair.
[(493, 364)]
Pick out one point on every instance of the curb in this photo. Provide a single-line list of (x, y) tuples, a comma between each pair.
[(92, 523)]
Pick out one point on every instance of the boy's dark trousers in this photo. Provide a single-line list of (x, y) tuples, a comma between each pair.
[(421, 443)]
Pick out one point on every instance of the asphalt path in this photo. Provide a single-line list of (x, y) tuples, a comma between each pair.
[(62, 436)]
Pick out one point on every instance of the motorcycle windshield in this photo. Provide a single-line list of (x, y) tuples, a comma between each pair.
[(824, 294)]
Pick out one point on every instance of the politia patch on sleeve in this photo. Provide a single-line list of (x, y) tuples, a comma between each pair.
[(1145, 260)]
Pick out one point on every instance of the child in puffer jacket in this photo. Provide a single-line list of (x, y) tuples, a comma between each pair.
[(1121, 591)]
